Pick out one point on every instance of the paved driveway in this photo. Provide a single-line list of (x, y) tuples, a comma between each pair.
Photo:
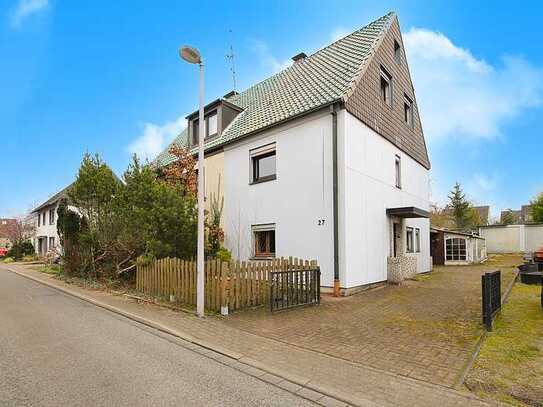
[(425, 329)]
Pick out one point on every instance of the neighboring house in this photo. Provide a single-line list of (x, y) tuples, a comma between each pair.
[(484, 214), (325, 160), (46, 236), (513, 238), (449, 247), (6, 230), (520, 217)]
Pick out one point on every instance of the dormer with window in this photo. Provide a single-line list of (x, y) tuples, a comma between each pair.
[(217, 115)]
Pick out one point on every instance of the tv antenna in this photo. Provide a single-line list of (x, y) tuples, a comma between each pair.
[(230, 58)]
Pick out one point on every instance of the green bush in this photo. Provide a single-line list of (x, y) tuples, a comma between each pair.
[(19, 250), (8, 260), (224, 254)]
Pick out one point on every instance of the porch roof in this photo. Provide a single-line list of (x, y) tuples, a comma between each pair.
[(408, 212)]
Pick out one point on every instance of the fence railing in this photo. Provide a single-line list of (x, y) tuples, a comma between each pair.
[(492, 297), (295, 287), (235, 285)]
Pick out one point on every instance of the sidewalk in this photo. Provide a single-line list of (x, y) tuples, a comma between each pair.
[(343, 380)]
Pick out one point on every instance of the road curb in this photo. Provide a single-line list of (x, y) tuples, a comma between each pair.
[(303, 382)]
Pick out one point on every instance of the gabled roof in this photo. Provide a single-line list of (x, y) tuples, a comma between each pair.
[(54, 199), (323, 78)]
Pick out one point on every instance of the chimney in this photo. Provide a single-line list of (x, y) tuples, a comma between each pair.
[(299, 57)]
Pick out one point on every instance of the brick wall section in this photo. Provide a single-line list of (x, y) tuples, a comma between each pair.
[(365, 101)]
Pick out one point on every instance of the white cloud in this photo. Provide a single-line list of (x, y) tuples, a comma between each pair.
[(155, 138), (461, 95), (26, 8), (267, 60)]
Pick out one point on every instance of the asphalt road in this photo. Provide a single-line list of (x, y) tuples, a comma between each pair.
[(56, 350)]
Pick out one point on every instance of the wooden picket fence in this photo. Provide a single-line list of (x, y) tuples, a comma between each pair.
[(234, 284)]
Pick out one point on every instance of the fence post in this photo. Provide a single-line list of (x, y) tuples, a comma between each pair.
[(224, 284)]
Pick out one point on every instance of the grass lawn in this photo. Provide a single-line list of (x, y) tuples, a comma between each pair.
[(509, 367)]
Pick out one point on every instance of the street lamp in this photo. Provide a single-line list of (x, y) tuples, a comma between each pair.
[(192, 56)]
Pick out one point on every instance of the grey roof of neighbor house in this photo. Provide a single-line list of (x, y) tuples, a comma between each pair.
[(55, 198), (318, 80)]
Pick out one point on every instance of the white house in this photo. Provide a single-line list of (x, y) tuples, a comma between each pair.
[(326, 160), (46, 236)]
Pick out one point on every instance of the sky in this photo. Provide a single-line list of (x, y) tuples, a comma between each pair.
[(104, 77)]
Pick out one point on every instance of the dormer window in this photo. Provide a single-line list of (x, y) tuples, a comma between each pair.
[(210, 123), (218, 115)]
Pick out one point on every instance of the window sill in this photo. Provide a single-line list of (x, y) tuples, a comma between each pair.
[(261, 180), (262, 258)]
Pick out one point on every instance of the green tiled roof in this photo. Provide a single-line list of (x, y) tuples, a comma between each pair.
[(165, 158), (320, 79)]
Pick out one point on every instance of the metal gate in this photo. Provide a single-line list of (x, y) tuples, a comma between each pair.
[(294, 288), (492, 297)]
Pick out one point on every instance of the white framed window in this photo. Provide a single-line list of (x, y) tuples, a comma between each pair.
[(263, 240), (398, 171), (39, 219), (408, 110), (417, 240), (386, 87), (409, 239), (455, 248), (43, 218), (51, 216), (397, 52), (263, 164), (211, 128), (51, 243)]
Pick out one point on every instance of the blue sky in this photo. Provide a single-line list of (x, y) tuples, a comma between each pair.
[(105, 77)]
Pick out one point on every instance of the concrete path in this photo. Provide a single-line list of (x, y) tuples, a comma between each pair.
[(331, 378), (56, 350)]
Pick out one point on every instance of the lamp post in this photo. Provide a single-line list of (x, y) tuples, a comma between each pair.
[(192, 56)]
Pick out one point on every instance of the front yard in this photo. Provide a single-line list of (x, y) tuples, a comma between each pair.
[(509, 367), (426, 328)]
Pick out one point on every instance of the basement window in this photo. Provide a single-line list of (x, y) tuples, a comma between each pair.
[(455, 249), (263, 166), (264, 240), (386, 87), (408, 110)]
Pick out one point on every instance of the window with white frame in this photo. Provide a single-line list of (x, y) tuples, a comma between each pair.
[(263, 167), (211, 125), (417, 240), (409, 239), (39, 219), (386, 87), (263, 240), (455, 248), (398, 171), (51, 216), (408, 110), (51, 243), (43, 218)]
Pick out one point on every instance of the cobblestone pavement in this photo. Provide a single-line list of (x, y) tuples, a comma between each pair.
[(424, 329)]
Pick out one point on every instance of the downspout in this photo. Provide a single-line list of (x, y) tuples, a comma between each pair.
[(333, 111)]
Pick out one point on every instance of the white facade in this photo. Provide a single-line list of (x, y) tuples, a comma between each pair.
[(46, 236), (512, 238), (299, 202)]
